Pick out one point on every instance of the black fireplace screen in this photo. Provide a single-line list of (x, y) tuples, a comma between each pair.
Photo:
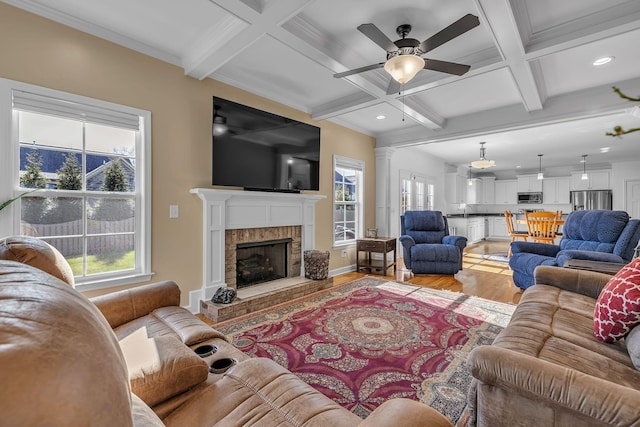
[(259, 262)]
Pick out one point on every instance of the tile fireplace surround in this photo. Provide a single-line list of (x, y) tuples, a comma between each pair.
[(253, 212)]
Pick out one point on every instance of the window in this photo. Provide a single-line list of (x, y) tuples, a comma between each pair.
[(416, 192), (347, 200), (88, 161)]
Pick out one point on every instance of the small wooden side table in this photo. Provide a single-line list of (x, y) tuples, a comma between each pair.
[(382, 245)]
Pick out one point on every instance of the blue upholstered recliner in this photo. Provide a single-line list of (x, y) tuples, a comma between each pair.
[(427, 245), (599, 235)]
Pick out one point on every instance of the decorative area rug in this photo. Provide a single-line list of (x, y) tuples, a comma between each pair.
[(371, 340)]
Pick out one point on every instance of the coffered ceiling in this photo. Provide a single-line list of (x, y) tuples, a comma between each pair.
[(532, 88)]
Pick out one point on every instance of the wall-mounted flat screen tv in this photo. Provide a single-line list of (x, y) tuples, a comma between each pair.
[(257, 150)]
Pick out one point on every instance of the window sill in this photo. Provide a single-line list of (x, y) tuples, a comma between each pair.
[(93, 285), (342, 245)]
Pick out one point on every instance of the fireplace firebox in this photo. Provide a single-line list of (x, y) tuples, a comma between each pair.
[(259, 262)]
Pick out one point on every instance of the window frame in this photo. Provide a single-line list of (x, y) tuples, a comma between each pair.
[(10, 182), (358, 165)]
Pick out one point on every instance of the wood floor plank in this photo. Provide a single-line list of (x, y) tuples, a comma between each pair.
[(480, 277)]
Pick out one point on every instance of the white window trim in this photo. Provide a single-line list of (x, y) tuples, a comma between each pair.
[(9, 182), (416, 177), (346, 162)]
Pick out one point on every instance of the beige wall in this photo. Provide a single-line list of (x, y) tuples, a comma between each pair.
[(40, 52)]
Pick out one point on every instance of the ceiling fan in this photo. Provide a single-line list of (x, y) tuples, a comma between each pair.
[(404, 55)]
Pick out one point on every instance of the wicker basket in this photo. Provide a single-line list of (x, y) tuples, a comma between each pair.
[(316, 264)]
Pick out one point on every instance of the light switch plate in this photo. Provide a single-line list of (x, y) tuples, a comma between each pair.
[(174, 211)]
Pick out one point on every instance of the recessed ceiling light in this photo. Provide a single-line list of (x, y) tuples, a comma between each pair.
[(381, 117), (518, 167), (604, 149), (603, 60)]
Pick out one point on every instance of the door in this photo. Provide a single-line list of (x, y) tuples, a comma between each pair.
[(632, 198)]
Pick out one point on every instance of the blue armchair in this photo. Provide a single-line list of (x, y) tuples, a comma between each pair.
[(427, 245), (599, 235)]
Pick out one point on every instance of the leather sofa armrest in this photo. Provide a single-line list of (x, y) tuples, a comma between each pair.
[(127, 305), (406, 412), (589, 283), (554, 385)]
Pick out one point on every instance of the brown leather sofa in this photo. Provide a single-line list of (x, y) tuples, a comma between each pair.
[(128, 359), (547, 369)]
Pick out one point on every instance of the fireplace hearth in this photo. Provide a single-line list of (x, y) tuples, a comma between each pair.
[(259, 262)]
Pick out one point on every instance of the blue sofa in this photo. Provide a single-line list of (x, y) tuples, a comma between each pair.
[(426, 243), (598, 235)]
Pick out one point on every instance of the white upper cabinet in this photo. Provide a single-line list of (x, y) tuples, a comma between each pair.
[(529, 183), (506, 192), (455, 188), (598, 180), (488, 190), (556, 190)]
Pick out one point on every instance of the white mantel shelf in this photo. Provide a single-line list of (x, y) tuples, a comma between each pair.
[(236, 209)]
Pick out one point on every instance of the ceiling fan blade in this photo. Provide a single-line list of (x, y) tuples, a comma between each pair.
[(459, 27), (446, 67), (394, 87), (358, 70), (377, 36)]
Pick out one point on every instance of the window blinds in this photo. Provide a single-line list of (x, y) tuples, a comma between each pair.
[(35, 103)]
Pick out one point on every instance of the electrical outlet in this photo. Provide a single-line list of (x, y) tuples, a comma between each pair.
[(344, 253)]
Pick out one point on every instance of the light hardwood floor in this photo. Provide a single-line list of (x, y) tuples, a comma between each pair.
[(479, 276)]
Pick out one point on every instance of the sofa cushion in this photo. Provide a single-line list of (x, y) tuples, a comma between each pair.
[(618, 307), (161, 367)]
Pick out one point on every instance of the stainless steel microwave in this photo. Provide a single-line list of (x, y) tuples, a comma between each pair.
[(526, 198)]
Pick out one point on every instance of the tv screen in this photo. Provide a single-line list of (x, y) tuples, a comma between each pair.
[(257, 150)]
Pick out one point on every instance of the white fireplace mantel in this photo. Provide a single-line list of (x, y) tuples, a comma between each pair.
[(234, 209)]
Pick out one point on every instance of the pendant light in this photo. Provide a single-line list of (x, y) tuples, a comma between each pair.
[(540, 174), (584, 167), (483, 163), (469, 180)]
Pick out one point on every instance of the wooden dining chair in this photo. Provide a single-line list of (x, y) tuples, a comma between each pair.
[(513, 233), (542, 226)]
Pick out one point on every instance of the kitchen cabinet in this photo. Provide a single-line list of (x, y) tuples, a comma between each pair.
[(529, 183), (481, 191), (506, 192), (457, 226), (556, 190), (455, 188), (476, 229), (474, 192), (488, 190), (498, 227), (598, 180)]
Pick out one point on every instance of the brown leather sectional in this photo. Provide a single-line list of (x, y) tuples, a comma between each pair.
[(547, 369), (128, 359)]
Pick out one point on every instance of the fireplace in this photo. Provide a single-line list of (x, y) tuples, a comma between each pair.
[(259, 262), (231, 217), (247, 248)]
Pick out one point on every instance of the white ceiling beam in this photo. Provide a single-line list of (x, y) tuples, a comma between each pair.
[(209, 54), (500, 21)]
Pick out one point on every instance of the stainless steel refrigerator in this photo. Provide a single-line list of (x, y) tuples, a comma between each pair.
[(591, 199)]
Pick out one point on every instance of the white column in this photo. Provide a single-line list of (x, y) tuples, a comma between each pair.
[(383, 190)]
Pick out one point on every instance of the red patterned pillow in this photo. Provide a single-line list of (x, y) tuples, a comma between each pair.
[(618, 307)]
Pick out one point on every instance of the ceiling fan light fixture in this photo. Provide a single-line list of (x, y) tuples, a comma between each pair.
[(404, 67), (483, 163)]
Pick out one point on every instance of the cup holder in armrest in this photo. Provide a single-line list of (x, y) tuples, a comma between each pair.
[(220, 366), (205, 350)]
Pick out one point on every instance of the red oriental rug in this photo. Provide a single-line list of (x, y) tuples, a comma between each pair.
[(371, 340)]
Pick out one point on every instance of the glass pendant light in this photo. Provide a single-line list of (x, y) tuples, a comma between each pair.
[(584, 167), (540, 174)]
